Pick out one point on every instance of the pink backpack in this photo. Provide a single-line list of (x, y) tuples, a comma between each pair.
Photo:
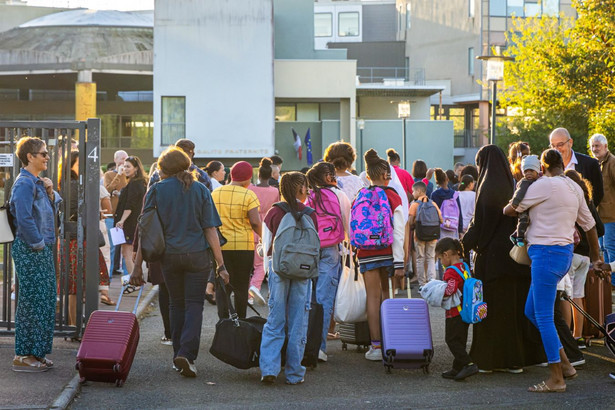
[(329, 217), (450, 214), (371, 219)]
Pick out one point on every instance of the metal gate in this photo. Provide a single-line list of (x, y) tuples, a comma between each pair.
[(59, 138)]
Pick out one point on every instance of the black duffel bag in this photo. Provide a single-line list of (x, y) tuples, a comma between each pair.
[(238, 341)]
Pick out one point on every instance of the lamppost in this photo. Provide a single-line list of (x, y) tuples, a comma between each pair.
[(361, 125), (495, 73), (403, 111)]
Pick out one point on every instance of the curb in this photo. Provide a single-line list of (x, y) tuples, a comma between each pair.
[(73, 388)]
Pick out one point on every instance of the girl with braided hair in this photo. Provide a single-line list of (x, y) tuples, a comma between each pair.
[(333, 213), (377, 265), (288, 298)]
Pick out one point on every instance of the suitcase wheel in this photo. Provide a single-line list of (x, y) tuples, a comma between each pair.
[(344, 346), (117, 368), (119, 382)]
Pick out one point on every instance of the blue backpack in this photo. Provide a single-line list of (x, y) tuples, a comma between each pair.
[(472, 308)]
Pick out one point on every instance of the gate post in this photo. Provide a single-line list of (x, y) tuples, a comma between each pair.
[(92, 214)]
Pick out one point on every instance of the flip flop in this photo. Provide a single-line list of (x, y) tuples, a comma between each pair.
[(129, 289), (572, 376), (105, 300), (543, 388)]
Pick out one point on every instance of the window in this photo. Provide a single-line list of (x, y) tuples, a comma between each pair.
[(515, 7), (408, 16), (173, 119), (285, 112), (471, 7), (323, 24), (471, 61), (497, 8), (532, 9), (550, 7), (348, 24)]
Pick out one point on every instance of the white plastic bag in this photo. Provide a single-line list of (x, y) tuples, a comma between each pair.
[(351, 299)]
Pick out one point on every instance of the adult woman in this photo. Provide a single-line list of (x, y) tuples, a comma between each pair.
[(189, 224), (342, 155), (554, 203), (516, 152), (215, 170), (421, 173), (267, 196), (129, 205), (505, 339), (32, 206), (238, 208)]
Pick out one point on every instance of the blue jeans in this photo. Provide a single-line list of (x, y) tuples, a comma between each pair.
[(289, 305), (329, 272), (549, 265), (114, 264), (186, 278), (607, 243)]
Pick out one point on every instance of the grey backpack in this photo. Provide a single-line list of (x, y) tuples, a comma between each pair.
[(296, 246), (427, 221)]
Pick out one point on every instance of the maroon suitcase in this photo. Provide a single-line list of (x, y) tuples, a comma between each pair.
[(598, 303), (109, 345)]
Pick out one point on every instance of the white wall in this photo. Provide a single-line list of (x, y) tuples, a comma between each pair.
[(220, 57)]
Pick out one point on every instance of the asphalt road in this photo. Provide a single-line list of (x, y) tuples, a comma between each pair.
[(347, 380)]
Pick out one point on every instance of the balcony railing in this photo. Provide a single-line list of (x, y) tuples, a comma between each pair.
[(391, 75), (467, 138)]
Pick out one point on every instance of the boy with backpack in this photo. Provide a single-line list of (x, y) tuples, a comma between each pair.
[(458, 318), (425, 218)]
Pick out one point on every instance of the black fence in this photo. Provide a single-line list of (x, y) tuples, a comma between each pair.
[(61, 137)]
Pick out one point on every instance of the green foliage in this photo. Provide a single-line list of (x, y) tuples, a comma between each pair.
[(563, 76)]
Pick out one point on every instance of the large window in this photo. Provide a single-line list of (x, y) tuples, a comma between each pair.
[(497, 8), (173, 119), (127, 131), (348, 24), (523, 8), (323, 24)]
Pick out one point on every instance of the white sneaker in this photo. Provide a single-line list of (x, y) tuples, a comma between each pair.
[(373, 354), (166, 341), (187, 369), (256, 294), (322, 356)]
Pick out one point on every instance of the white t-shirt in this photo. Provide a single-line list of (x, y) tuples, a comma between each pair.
[(215, 184), (555, 204), (467, 199), (350, 184)]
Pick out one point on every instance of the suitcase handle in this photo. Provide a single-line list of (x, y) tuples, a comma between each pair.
[(124, 287), (391, 288)]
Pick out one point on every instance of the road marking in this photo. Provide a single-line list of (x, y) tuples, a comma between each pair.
[(599, 356)]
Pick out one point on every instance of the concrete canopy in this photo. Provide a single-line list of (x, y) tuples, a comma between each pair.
[(67, 42)]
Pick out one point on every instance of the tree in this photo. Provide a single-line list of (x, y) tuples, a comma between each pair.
[(563, 76)]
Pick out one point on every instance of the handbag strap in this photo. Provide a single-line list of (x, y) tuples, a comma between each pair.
[(231, 309)]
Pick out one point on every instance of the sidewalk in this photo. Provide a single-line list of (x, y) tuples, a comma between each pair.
[(40, 390)]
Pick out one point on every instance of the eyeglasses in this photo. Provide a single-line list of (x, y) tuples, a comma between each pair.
[(44, 154), (560, 145)]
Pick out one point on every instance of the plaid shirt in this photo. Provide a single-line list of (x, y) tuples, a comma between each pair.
[(233, 203)]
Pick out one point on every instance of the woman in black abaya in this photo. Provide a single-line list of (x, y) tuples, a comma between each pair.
[(505, 340)]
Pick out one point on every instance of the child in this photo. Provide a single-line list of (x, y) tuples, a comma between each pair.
[(449, 252), (452, 217), (333, 213), (424, 244), (287, 298), (530, 165), (377, 265), (467, 199)]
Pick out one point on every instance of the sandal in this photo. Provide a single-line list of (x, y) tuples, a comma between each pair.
[(571, 376), (129, 289), (106, 300), (543, 388), (28, 364), (333, 336), (46, 361)]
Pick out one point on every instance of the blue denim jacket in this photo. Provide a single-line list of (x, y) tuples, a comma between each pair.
[(33, 211)]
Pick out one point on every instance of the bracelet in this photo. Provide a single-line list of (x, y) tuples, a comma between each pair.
[(221, 268)]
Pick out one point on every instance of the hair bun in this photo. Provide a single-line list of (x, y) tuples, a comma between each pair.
[(371, 157), (266, 162), (391, 153)]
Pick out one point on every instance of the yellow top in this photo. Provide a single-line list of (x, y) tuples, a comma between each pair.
[(233, 203)]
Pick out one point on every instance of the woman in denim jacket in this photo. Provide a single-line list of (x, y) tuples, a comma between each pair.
[(33, 207)]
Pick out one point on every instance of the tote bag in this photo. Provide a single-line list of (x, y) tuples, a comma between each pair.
[(351, 298), (6, 231)]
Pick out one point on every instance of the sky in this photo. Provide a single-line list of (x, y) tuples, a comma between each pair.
[(97, 4)]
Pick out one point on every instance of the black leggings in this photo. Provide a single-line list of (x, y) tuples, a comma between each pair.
[(240, 265), (163, 303)]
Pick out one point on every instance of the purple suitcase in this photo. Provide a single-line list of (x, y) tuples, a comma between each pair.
[(406, 333)]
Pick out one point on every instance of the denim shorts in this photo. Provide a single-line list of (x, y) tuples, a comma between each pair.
[(386, 263)]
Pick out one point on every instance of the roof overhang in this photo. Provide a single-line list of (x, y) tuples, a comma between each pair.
[(380, 90), (67, 68)]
